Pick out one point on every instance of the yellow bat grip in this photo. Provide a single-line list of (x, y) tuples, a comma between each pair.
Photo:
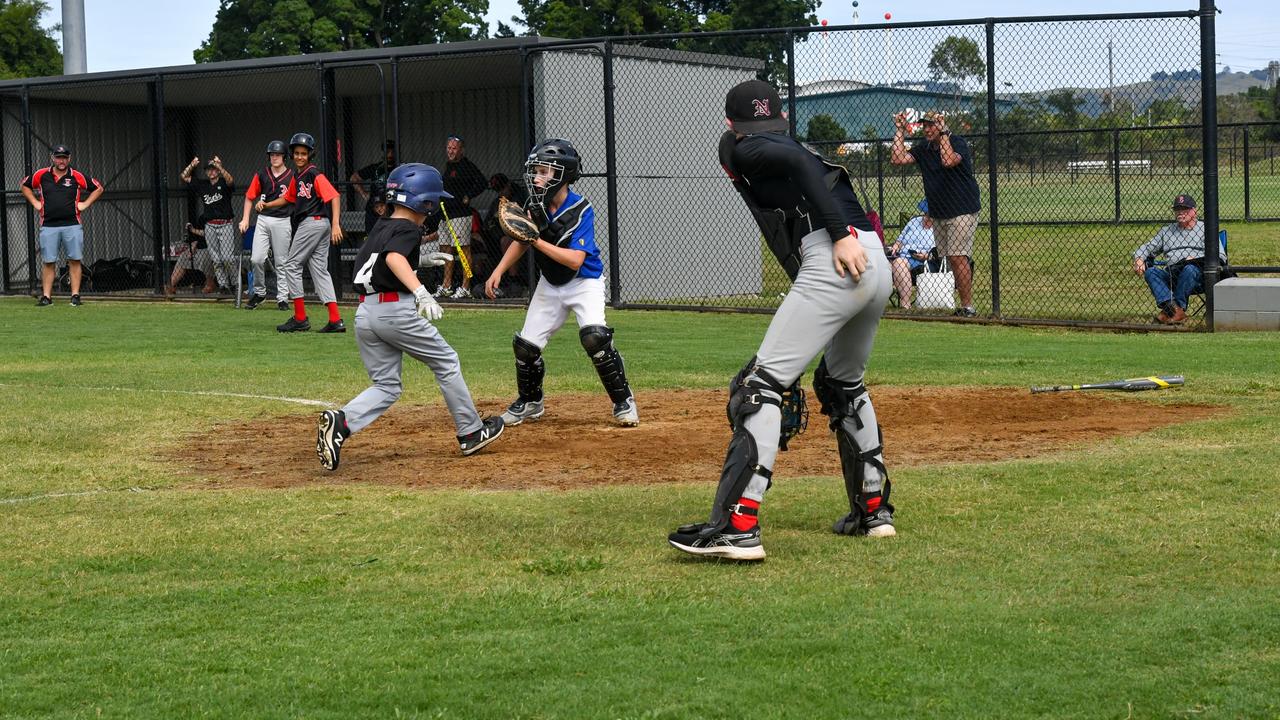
[(466, 266)]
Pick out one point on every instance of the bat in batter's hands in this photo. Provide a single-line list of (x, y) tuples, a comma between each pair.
[(427, 305), (1154, 382), (515, 223)]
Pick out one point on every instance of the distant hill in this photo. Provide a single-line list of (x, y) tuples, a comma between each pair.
[(1185, 87)]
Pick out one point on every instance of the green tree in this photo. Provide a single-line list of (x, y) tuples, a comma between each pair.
[(824, 131), (1066, 106), (26, 49), (957, 59), (264, 28)]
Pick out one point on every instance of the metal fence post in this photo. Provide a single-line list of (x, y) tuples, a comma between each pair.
[(328, 145), (1115, 171), (791, 83), (159, 185), (27, 163), (395, 104), (1209, 138), (4, 215), (993, 170), (611, 177), (1247, 214), (526, 110)]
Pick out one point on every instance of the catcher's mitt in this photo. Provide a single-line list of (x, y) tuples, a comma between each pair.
[(515, 223)]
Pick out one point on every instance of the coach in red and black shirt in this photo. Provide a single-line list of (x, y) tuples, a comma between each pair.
[(64, 193)]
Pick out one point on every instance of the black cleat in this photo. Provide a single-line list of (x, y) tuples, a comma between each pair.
[(254, 302), (282, 305), (471, 443), (330, 434), (701, 539), (75, 300), (44, 301), (965, 312), (333, 327), (294, 325)]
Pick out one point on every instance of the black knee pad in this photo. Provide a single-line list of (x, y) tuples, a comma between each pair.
[(837, 400), (595, 338), (530, 370)]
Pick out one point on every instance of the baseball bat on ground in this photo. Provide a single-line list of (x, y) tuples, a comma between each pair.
[(1154, 382)]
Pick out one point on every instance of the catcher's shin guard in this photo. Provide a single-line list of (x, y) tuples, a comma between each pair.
[(529, 369), (861, 447), (597, 340), (743, 471)]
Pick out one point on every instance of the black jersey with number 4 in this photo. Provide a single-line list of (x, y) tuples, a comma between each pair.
[(389, 235)]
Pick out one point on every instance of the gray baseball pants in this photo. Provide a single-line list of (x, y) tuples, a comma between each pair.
[(221, 239), (823, 313), (385, 331), (310, 246), (270, 233)]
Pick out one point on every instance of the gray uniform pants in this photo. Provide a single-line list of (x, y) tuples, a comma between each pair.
[(310, 246), (823, 312), (270, 233), (221, 239), (386, 330)]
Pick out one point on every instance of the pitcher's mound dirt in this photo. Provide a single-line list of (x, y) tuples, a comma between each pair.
[(682, 436)]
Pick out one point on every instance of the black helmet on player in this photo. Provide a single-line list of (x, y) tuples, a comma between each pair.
[(276, 146), (416, 186), (303, 139), (564, 161)]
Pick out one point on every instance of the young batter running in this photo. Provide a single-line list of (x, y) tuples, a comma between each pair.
[(572, 279), (811, 220), (394, 318), (316, 228)]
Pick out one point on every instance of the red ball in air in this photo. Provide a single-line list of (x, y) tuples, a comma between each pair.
[(888, 16)]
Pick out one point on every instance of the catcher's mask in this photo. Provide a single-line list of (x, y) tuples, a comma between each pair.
[(416, 186), (566, 166)]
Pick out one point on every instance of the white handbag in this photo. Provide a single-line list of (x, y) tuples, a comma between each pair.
[(936, 289)]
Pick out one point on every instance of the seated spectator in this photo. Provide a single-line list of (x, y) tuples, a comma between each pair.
[(910, 251), (1182, 245), (193, 254)]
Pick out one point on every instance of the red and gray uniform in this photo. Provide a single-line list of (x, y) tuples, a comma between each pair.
[(388, 326), (59, 195), (310, 192), (272, 231), (214, 201)]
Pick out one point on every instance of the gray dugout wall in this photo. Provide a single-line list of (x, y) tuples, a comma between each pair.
[(669, 245)]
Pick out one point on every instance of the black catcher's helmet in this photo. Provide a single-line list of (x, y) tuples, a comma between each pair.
[(558, 154)]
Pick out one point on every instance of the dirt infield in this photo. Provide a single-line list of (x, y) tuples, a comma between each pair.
[(682, 436)]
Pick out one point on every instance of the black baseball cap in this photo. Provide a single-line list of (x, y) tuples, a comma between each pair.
[(754, 107), (60, 151), (1184, 201)]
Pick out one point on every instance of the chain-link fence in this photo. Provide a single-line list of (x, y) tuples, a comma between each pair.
[(1076, 132)]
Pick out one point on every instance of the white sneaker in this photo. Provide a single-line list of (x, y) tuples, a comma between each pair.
[(460, 293), (626, 413), (441, 291), (519, 411)]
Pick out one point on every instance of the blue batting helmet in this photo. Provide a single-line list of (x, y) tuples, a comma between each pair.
[(416, 186), (923, 206)]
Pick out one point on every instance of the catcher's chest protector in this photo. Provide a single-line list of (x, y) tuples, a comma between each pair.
[(565, 225)]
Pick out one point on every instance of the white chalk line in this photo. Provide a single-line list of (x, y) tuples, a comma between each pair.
[(208, 393), (51, 496)]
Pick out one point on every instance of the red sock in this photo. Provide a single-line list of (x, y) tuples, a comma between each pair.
[(299, 310), (745, 514), (333, 312), (873, 504)]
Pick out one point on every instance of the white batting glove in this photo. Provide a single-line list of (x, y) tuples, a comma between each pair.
[(427, 305), (434, 259)]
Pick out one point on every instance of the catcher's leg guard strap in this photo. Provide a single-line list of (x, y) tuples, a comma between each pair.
[(597, 340), (529, 369), (743, 473)]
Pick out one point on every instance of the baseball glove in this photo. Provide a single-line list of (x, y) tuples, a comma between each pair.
[(515, 223)]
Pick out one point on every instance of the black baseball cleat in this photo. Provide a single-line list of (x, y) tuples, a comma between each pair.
[(282, 305), (333, 327), (471, 443), (254, 302), (75, 301), (294, 325), (876, 524), (44, 301), (330, 434), (965, 312), (702, 539)]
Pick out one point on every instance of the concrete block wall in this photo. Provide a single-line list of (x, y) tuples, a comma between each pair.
[(1247, 304)]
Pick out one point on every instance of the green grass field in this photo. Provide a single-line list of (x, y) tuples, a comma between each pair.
[(1131, 578)]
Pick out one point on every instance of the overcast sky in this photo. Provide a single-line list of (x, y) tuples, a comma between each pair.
[(129, 34)]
